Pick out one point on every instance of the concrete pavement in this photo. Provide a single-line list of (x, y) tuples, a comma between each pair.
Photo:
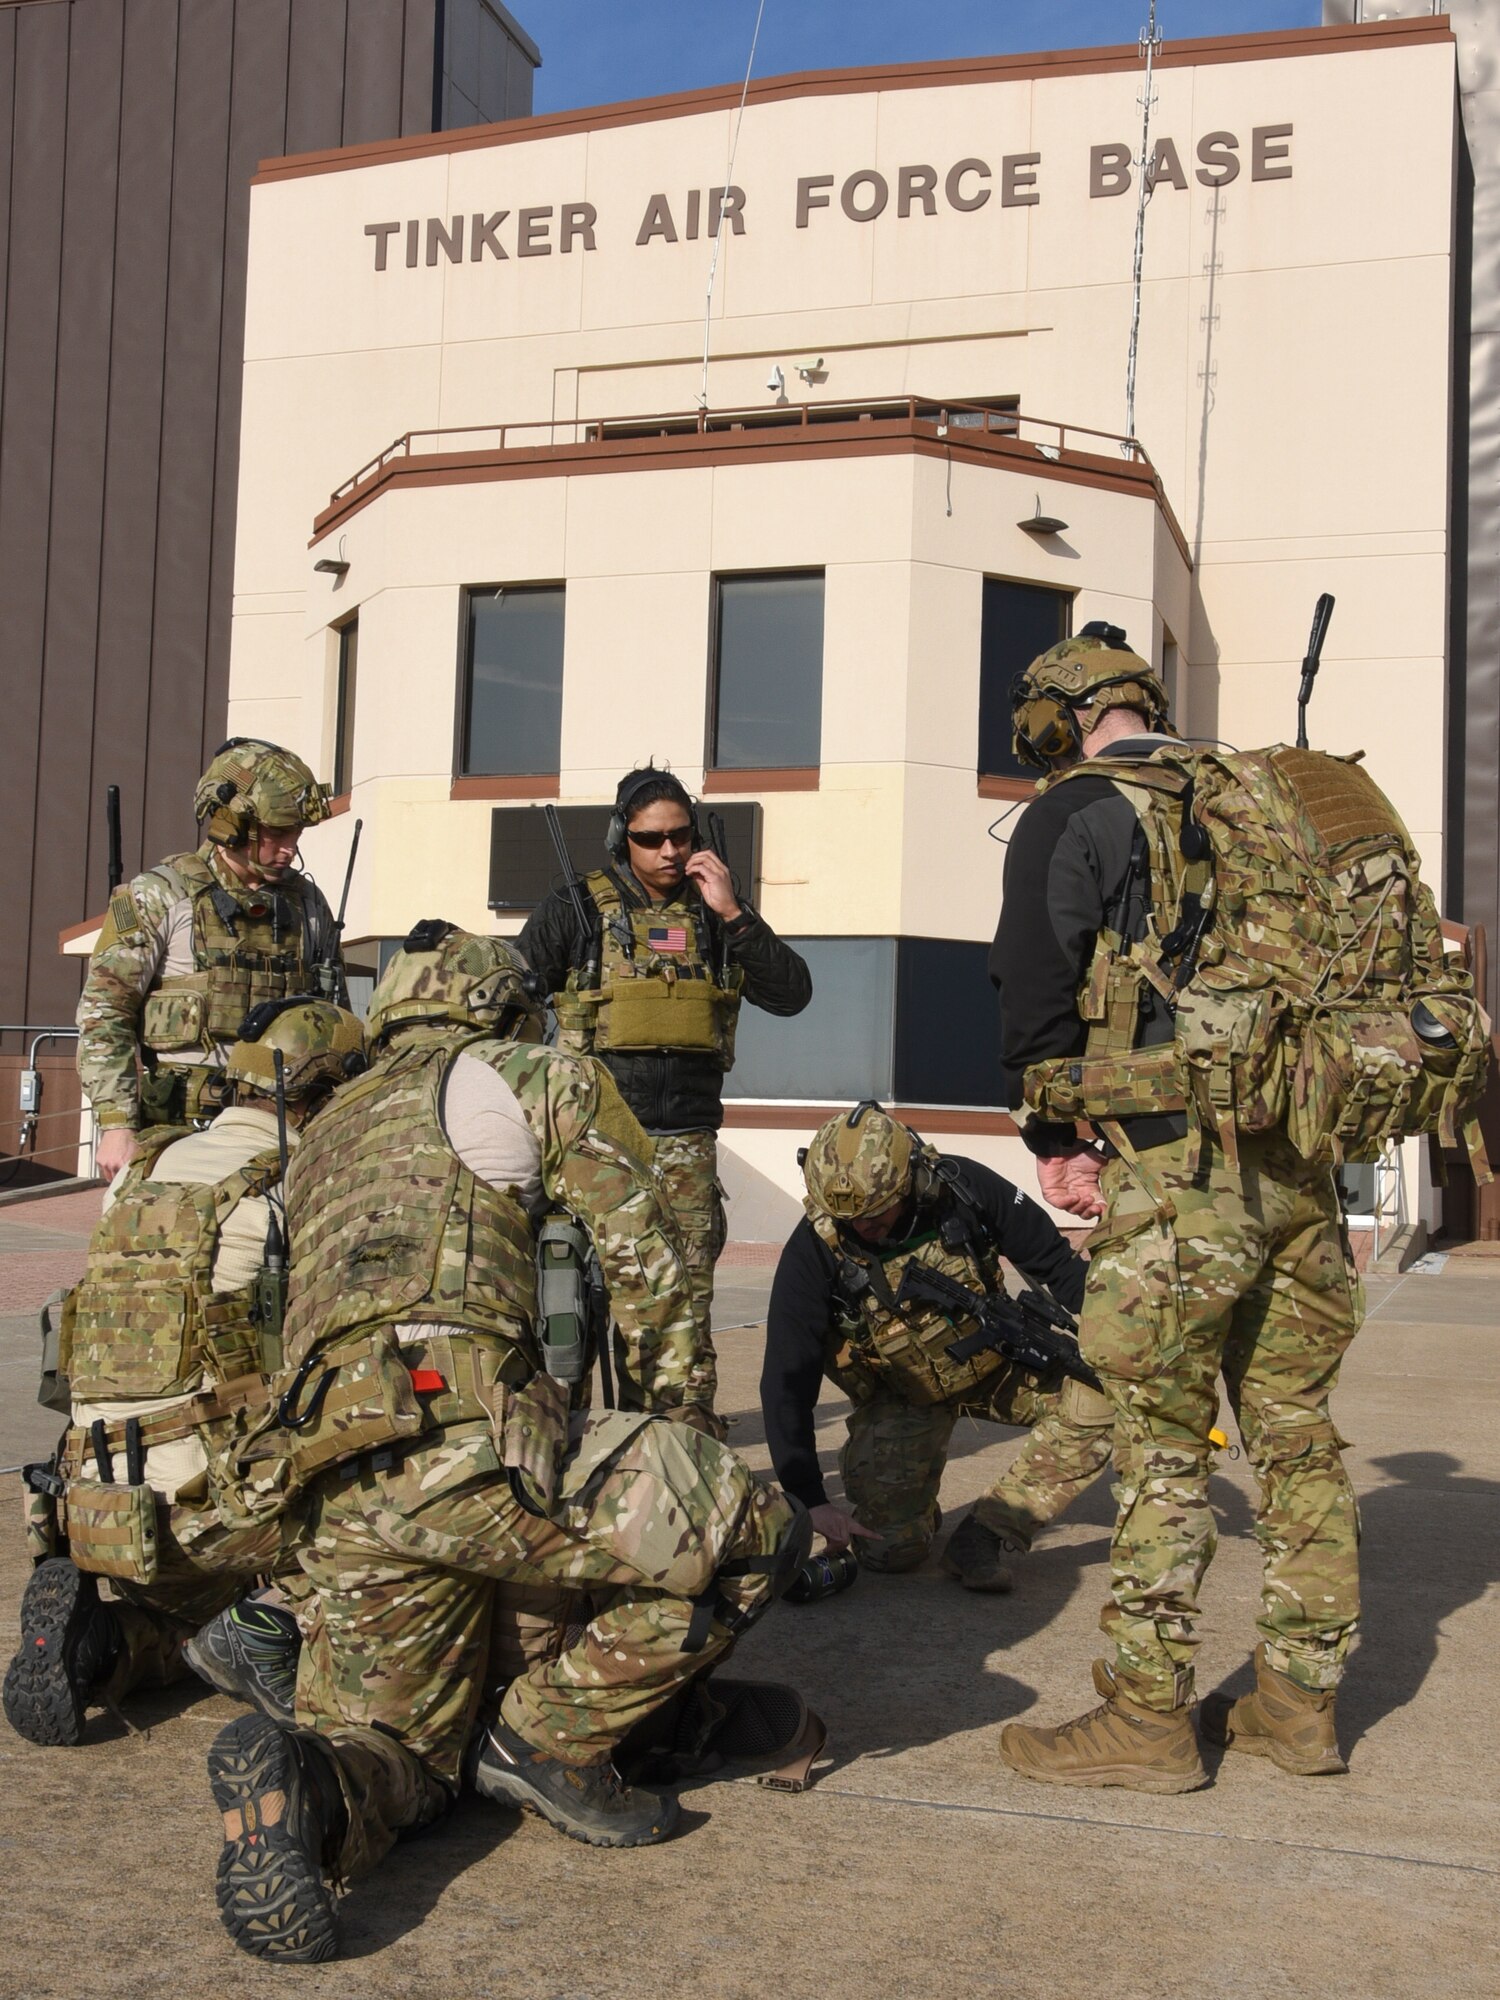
[(918, 1865)]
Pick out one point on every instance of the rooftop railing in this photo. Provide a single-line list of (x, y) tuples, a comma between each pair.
[(1050, 436)]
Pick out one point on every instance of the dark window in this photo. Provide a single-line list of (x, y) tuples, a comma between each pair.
[(343, 739), (523, 862), (839, 1048), (512, 720), (767, 709), (947, 1024), (1019, 620)]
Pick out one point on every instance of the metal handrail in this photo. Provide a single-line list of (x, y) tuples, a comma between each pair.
[(801, 416)]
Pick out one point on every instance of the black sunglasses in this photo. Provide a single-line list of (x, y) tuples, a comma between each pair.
[(679, 836)]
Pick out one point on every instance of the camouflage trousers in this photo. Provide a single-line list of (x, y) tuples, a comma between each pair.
[(1246, 1273), (687, 1165), (893, 1461), (666, 1531)]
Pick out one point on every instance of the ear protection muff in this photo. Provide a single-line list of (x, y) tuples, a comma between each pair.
[(616, 833), (1043, 725)]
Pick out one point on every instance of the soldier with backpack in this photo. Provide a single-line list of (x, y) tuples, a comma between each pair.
[(1229, 965)]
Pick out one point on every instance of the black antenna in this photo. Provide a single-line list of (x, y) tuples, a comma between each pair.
[(718, 840), (332, 983), (1322, 612), (112, 822)]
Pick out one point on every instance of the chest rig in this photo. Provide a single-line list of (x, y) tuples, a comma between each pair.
[(665, 981), (144, 1320), (874, 1346), (249, 945)]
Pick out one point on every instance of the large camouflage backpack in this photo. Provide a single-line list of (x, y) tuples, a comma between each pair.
[(1292, 936)]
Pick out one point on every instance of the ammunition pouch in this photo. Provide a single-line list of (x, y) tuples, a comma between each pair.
[(1117, 1086), (666, 1011), (174, 1018)]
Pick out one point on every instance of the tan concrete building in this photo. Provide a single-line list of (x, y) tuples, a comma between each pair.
[(804, 568)]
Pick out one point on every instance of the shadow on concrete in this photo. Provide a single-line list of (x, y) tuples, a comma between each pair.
[(404, 1890), (1428, 1548)]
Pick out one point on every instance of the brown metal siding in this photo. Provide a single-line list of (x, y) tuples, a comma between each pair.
[(129, 132)]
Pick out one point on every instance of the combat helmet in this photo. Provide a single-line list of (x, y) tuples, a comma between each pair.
[(319, 1044), (860, 1162), (444, 974), (1096, 670), (251, 783)]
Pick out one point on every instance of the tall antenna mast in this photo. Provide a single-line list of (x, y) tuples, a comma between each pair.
[(1148, 44), (713, 262)]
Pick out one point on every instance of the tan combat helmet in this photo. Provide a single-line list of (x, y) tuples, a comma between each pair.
[(319, 1044), (250, 784), (860, 1163), (444, 974), (1094, 671)]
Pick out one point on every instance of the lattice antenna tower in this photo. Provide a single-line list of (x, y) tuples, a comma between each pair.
[(1148, 43), (719, 233)]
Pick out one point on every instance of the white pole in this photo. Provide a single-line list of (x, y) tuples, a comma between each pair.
[(1149, 43)]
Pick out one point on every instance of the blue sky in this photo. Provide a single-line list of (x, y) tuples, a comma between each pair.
[(598, 51)]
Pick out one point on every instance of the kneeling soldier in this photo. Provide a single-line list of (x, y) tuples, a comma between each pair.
[(878, 1200), (164, 1344), (426, 1410)]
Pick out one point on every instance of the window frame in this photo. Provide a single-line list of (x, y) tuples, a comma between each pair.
[(345, 702), (1009, 784), (467, 783), (770, 777)]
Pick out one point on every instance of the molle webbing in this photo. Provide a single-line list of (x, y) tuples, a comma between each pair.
[(166, 1426), (146, 1321), (650, 998), (249, 945), (399, 1229)]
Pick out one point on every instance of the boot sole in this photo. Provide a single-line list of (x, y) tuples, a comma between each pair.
[(1217, 1731), (41, 1702), (509, 1788), (272, 1898)]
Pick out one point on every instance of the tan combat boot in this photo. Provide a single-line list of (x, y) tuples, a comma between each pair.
[(1291, 1725), (979, 1557), (1120, 1743)]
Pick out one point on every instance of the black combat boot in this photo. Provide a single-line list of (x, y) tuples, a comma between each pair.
[(585, 1801), (69, 1643), (283, 1819), (250, 1651)]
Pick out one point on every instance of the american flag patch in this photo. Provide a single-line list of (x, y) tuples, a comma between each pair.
[(667, 938)]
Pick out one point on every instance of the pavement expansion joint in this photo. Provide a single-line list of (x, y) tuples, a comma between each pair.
[(1151, 1826)]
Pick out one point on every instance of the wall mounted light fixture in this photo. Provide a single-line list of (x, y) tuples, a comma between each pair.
[(1040, 523)]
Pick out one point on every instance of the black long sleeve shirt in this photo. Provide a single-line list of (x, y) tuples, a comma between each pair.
[(676, 1091), (800, 1320), (1066, 878)]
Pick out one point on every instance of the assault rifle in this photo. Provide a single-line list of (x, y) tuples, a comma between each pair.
[(587, 929), (1033, 1331), (1312, 660), (331, 981)]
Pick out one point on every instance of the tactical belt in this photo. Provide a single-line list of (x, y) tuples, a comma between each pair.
[(247, 1392)]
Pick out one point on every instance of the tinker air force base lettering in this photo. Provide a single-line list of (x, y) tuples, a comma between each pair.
[(1015, 181)]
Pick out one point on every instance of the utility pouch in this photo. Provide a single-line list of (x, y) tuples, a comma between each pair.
[(112, 1529), (658, 1013), (535, 1436), (174, 1019), (231, 1337), (42, 1519), (1354, 1074), (368, 1402), (562, 1321), (1233, 1048), (1123, 1086)]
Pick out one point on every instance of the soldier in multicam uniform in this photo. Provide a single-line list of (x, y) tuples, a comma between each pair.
[(877, 1199), (165, 1341), (1198, 1265), (654, 991), (189, 947), (440, 1458)]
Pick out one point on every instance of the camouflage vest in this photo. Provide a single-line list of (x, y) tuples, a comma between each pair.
[(875, 1349), (1300, 953), (650, 997), (400, 1229), (249, 945), (145, 1320)]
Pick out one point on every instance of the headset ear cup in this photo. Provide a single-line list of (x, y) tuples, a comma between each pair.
[(614, 836)]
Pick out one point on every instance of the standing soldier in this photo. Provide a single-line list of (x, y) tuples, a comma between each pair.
[(1219, 1244), (653, 988), (165, 1343), (188, 948), (434, 1333), (877, 1201)]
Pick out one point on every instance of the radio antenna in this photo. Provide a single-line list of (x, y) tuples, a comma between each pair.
[(713, 262), (1148, 44)]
